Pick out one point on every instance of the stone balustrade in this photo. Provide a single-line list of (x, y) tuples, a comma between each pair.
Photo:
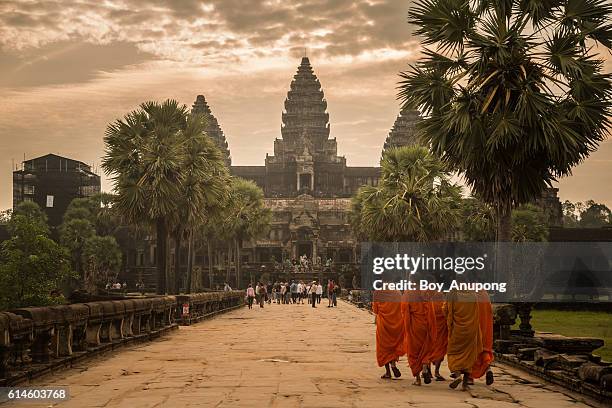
[(195, 307), (37, 340), (566, 361)]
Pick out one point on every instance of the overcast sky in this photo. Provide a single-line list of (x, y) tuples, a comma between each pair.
[(67, 69)]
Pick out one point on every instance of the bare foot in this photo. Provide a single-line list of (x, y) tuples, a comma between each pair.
[(417, 381)]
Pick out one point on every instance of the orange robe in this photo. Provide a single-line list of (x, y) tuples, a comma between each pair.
[(485, 318), (420, 329), (387, 307), (464, 338), (438, 349)]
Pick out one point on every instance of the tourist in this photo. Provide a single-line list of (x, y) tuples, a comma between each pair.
[(420, 333), (300, 292), (330, 292), (283, 292), (464, 336), (319, 292), (312, 291), (304, 292), (294, 291), (269, 287), (260, 291), (482, 365), (226, 287), (336, 295), (387, 307), (250, 293)]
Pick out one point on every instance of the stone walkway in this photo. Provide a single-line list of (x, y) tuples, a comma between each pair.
[(279, 356)]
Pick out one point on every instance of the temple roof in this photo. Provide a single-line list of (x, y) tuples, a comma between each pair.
[(213, 130)]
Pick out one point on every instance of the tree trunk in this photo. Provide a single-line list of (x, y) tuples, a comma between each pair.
[(190, 279), (229, 262), (503, 265), (210, 263), (162, 241), (504, 223), (237, 264), (178, 239)]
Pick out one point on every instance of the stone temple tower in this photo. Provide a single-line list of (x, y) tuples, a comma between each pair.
[(403, 132), (305, 158), (213, 130)]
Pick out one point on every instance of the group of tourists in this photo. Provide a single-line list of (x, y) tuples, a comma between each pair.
[(292, 292), (426, 326)]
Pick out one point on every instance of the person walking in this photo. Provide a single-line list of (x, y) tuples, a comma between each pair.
[(294, 291), (330, 293), (260, 291), (250, 296), (337, 290), (319, 292), (313, 294)]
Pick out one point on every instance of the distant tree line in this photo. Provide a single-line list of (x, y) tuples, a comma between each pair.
[(588, 214)]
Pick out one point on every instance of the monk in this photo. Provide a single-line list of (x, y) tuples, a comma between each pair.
[(420, 331), (387, 307), (438, 349), (485, 319), (464, 337)]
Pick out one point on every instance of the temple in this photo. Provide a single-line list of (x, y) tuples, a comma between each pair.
[(306, 184), (305, 159)]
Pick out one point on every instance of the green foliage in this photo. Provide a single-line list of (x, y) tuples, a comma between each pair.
[(246, 216), (529, 224), (166, 171), (102, 260), (595, 215), (479, 220), (414, 200), (98, 210), (513, 92), (586, 215), (73, 235), (33, 213), (32, 266)]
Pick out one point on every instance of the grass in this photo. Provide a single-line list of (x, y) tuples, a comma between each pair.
[(576, 324)]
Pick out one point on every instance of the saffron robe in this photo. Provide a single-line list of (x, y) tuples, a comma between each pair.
[(485, 319), (464, 337), (438, 349), (420, 329), (387, 307)]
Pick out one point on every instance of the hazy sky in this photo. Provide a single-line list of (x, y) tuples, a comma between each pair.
[(67, 69)]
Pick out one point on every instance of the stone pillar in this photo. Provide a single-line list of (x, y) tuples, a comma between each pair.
[(524, 313)]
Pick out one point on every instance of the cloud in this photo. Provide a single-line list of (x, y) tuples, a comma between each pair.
[(201, 31)]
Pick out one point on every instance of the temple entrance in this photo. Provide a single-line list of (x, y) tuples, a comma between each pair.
[(305, 248), (305, 182)]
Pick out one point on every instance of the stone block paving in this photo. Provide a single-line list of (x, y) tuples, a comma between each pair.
[(280, 356)]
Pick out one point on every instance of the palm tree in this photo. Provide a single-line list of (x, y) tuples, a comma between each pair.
[(414, 200), (145, 155), (512, 91), (247, 217), (204, 187)]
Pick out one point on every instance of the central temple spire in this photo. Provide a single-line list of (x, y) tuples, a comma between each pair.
[(305, 120)]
